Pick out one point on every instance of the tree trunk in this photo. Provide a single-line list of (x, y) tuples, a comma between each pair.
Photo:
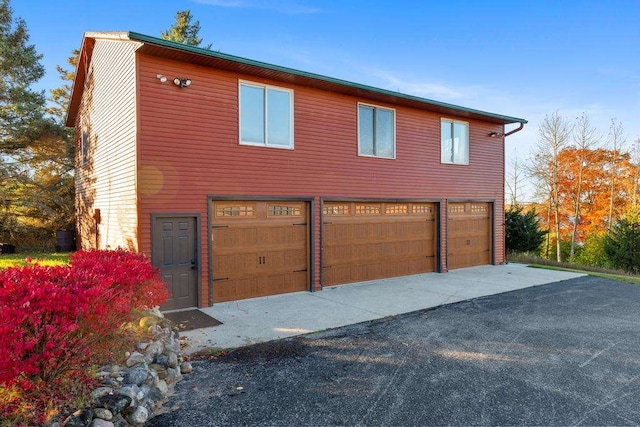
[(613, 186), (576, 210)]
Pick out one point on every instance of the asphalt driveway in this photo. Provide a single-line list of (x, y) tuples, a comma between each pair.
[(567, 353)]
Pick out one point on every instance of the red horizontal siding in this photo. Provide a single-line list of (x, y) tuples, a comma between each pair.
[(188, 149)]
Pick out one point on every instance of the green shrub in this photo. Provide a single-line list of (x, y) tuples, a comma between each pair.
[(592, 252), (523, 230)]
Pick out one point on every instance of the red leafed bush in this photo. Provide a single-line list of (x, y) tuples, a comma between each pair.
[(122, 281), (54, 322)]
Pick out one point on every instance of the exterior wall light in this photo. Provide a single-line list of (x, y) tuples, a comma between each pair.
[(181, 82), (496, 134), (161, 78)]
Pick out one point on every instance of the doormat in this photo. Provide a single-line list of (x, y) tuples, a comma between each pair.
[(189, 320)]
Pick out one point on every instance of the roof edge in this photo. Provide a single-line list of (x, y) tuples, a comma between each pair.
[(206, 52)]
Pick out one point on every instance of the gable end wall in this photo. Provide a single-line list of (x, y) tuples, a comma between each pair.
[(107, 180)]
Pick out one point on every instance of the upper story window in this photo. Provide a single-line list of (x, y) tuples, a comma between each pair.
[(376, 131), (266, 115), (454, 142)]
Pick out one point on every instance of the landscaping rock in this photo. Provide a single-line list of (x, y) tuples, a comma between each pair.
[(172, 360), (186, 368), (163, 387), (131, 391), (80, 418), (99, 422), (155, 394), (155, 330), (156, 347), (135, 359), (159, 369), (103, 414), (173, 345), (162, 359), (136, 376), (148, 321), (119, 421), (128, 396), (139, 416), (115, 403), (100, 391), (173, 375)]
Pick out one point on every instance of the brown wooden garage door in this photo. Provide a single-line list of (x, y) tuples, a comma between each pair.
[(468, 234), (259, 248), (366, 241)]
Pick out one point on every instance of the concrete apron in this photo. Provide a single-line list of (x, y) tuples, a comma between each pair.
[(258, 320)]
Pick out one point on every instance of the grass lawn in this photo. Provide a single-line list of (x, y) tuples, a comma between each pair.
[(537, 262), (612, 276), (43, 258)]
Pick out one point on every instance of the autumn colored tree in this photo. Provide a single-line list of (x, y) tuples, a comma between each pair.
[(635, 160), (594, 189)]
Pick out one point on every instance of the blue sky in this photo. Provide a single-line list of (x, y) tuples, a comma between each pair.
[(518, 58)]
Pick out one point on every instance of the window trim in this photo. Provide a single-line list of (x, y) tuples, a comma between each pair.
[(452, 122), (393, 110), (265, 87)]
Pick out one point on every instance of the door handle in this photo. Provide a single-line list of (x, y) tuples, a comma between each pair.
[(194, 262)]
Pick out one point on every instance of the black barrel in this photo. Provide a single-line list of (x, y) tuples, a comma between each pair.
[(65, 241), (7, 248)]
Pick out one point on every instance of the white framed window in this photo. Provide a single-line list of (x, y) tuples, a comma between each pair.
[(454, 148), (376, 131), (266, 115)]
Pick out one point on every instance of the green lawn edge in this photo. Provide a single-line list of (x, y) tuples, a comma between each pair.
[(42, 258), (617, 277)]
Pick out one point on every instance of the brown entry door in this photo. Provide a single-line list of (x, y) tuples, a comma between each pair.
[(373, 240), (175, 253), (260, 248), (468, 234)]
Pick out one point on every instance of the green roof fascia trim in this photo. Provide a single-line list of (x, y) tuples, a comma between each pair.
[(201, 51)]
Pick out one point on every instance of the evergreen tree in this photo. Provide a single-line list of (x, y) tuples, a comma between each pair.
[(523, 230), (22, 112), (622, 243), (184, 31), (21, 107)]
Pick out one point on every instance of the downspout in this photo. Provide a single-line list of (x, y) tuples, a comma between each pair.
[(504, 224)]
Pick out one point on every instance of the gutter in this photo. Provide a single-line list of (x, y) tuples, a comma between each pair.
[(518, 129)]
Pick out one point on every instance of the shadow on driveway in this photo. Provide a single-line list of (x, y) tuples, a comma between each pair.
[(567, 353)]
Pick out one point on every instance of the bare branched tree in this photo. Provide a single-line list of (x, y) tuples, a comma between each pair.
[(616, 144), (585, 137), (553, 136), (515, 177)]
